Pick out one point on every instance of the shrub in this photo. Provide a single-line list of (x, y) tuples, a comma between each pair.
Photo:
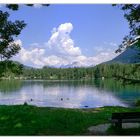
[(138, 102)]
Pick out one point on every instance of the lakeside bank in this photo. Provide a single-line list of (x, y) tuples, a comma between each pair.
[(32, 120)]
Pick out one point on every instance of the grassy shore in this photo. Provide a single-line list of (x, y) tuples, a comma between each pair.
[(31, 120)]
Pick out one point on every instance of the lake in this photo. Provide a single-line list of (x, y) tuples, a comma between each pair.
[(68, 94)]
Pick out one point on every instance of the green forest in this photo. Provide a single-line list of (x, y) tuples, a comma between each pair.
[(15, 70)]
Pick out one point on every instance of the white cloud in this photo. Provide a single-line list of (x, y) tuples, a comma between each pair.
[(61, 41), (37, 5), (60, 50), (31, 56)]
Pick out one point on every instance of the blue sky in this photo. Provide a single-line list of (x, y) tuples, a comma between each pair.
[(82, 34)]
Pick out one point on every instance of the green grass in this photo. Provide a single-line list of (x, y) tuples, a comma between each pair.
[(31, 120)]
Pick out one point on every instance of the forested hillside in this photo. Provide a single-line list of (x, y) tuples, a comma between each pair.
[(116, 70), (10, 69), (14, 70), (129, 56)]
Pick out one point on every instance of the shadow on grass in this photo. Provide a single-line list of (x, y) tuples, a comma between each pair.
[(123, 132)]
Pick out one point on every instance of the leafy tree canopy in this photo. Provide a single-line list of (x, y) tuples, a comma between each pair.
[(16, 6), (8, 31), (132, 15)]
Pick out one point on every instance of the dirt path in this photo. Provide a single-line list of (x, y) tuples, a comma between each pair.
[(102, 128)]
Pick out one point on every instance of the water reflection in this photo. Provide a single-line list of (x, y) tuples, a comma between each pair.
[(74, 94), (9, 86)]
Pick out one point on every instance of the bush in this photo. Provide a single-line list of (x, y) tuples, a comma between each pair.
[(138, 102), (25, 103)]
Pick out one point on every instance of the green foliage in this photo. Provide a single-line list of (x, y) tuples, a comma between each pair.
[(12, 6), (122, 71), (10, 68), (116, 70), (8, 31), (126, 72), (15, 7), (59, 73), (138, 102), (132, 15)]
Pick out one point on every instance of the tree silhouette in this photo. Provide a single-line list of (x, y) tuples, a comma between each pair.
[(8, 31), (132, 15), (16, 6)]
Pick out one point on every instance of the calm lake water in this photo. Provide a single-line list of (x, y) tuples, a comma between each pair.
[(68, 94)]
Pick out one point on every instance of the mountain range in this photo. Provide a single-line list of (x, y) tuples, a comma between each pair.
[(130, 55), (72, 65)]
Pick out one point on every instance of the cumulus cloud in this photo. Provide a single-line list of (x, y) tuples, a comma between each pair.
[(61, 41), (31, 57), (61, 50)]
